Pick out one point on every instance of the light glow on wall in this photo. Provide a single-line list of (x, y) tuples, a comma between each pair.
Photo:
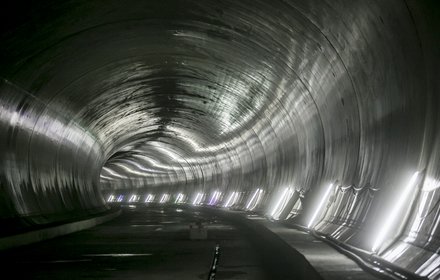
[(282, 202), (180, 198), (232, 199), (255, 199), (394, 214), (149, 198), (165, 198), (198, 199), (215, 197), (134, 198), (320, 205)]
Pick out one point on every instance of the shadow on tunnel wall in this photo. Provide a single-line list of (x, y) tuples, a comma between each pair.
[(335, 100)]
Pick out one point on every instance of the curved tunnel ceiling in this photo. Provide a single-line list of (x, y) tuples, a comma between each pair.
[(203, 95)]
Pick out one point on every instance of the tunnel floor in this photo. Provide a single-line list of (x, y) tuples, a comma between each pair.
[(142, 243), (154, 243)]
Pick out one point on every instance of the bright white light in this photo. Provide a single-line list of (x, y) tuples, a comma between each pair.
[(143, 168), (132, 171), (279, 201), (198, 199), (165, 150), (215, 196), (253, 202), (149, 198), (281, 204), (235, 199), (165, 197), (252, 199), (419, 217), (430, 184), (154, 162), (229, 201), (395, 212), (321, 203), (212, 198), (195, 199), (180, 197), (134, 198), (106, 177), (219, 194), (111, 172), (428, 266)]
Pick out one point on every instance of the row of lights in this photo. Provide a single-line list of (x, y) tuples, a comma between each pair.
[(281, 202), (198, 199)]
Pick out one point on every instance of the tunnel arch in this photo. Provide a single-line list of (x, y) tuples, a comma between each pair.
[(224, 96)]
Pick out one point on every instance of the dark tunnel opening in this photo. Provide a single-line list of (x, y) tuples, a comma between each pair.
[(323, 114)]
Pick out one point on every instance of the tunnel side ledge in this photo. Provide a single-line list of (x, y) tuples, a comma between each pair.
[(55, 231)]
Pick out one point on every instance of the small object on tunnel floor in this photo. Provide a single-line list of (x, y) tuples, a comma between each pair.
[(198, 231)]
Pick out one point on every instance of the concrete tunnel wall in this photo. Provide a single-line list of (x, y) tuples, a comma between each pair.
[(195, 96)]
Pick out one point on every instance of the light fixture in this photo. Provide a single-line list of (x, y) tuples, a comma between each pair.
[(180, 197), (149, 198), (321, 203), (281, 203), (216, 195), (198, 199), (230, 200), (111, 198), (165, 197), (253, 202), (393, 216)]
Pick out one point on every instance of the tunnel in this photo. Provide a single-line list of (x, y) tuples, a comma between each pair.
[(320, 115)]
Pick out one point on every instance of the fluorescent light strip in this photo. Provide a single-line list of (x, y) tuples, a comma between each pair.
[(212, 201), (231, 196), (248, 206), (106, 177), (198, 199), (254, 200), (165, 198), (280, 200), (179, 198), (395, 212), (321, 203), (259, 195), (235, 199), (215, 198), (149, 198)]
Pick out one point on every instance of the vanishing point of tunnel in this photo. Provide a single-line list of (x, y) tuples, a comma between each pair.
[(220, 139)]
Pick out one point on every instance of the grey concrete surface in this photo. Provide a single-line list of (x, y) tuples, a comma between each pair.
[(328, 262), (52, 232), (145, 243)]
